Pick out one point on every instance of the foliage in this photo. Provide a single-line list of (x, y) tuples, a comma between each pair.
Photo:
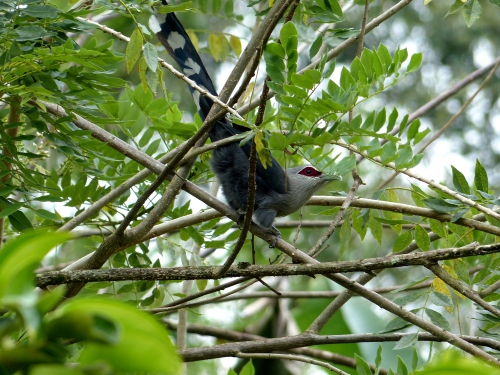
[(331, 115), (40, 335)]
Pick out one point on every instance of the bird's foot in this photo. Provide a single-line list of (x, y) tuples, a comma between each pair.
[(277, 233)]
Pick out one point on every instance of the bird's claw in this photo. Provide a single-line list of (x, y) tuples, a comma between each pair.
[(277, 233)]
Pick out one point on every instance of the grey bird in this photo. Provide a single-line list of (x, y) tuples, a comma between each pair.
[(279, 192)]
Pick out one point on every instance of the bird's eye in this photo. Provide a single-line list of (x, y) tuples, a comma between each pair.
[(309, 172)]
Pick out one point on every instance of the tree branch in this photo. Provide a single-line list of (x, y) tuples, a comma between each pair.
[(210, 272), (308, 339), (291, 357), (449, 122)]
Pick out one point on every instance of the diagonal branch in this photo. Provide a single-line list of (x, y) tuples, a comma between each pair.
[(449, 122), (410, 173)]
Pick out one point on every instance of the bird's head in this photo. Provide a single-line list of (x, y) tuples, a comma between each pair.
[(306, 180)]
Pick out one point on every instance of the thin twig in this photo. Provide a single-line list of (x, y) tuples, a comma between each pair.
[(252, 187), (410, 173), (363, 29), (315, 250), (252, 161), (291, 357), (166, 310), (449, 122), (437, 270)]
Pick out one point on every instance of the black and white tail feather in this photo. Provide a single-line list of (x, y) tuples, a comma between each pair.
[(278, 193)]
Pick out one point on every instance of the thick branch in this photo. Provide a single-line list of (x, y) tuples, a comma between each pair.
[(403, 209), (309, 339), (196, 273)]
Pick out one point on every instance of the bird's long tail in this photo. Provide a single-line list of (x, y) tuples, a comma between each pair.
[(173, 36)]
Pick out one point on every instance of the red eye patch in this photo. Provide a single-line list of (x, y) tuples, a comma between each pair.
[(310, 172)]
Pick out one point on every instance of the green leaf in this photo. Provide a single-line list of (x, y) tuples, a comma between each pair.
[(459, 181), (461, 269), (437, 319), (133, 51), (402, 369), (164, 9), (415, 62), (81, 326), (5, 191), (378, 358), (472, 11), (403, 124), (480, 177), (409, 285), (275, 74), (438, 227), (453, 362), (392, 119), (457, 5), (413, 129), (439, 205), (31, 32), (404, 155), (346, 79), (201, 284), (235, 44), (316, 46), (411, 297), (362, 367), (19, 221), (358, 224), (151, 56), (495, 2), (214, 46), (379, 120), (440, 299), (44, 214), (395, 324), (406, 341), (346, 165), (345, 235), (402, 242), (143, 344), (20, 257), (223, 228), (375, 226), (41, 11), (421, 135), (277, 141), (288, 31), (393, 221), (11, 208), (54, 369), (414, 359), (248, 369), (422, 238)]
